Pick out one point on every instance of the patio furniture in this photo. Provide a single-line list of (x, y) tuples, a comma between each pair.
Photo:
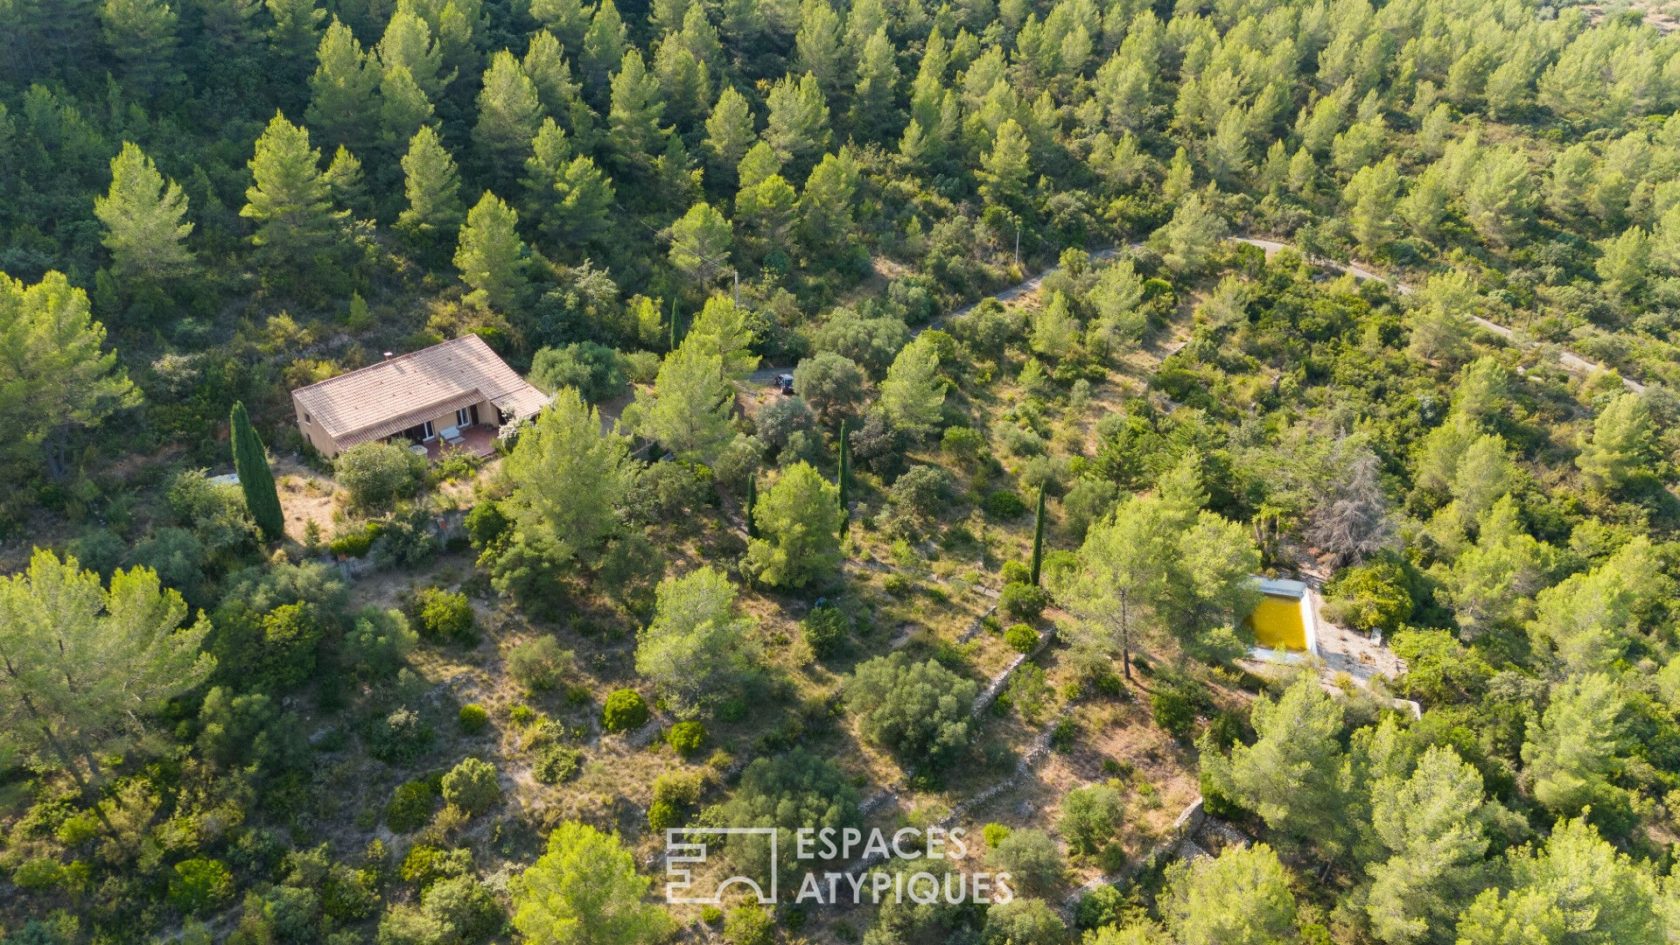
[(452, 436), (418, 449)]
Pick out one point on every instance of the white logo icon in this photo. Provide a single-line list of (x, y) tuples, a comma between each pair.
[(681, 855)]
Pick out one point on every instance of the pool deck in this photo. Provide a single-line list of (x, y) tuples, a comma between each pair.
[(1337, 648)]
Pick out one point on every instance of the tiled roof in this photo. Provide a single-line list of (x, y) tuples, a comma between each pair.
[(397, 393)]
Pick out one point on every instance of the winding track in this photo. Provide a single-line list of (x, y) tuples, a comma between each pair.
[(1571, 362)]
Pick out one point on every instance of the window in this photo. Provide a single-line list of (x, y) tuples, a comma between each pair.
[(463, 418)]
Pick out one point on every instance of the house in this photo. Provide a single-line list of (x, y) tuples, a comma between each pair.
[(455, 394)]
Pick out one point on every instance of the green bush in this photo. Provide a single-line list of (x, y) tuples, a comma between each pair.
[(825, 630), (994, 833), (749, 925), (473, 718), (200, 885), (1021, 638), (411, 806), (1104, 905), (539, 663), (400, 737), (554, 764), (446, 615), (625, 709), (377, 474), (1004, 505), (686, 737), (472, 786), (1016, 572), (1370, 596), (1174, 709), (1023, 601), (1090, 817), (355, 542)]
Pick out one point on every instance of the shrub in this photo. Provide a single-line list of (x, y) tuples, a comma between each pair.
[(964, 444), (749, 925), (1104, 905), (1021, 638), (377, 474), (825, 630), (411, 806), (994, 833), (472, 786), (686, 737), (1004, 505), (1023, 601), (919, 710), (486, 524), (1030, 857), (473, 718), (538, 664), (355, 542), (291, 634), (597, 371), (425, 864), (1090, 817), (1064, 734), (377, 643), (554, 764), (1174, 709), (1022, 920), (624, 710), (1370, 596), (464, 905), (446, 615), (1016, 572), (400, 737), (674, 795), (199, 885)]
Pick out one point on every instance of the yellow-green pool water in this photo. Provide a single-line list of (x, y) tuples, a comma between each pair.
[(1277, 624)]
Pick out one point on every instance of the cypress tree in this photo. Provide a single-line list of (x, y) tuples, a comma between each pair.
[(255, 478), (752, 500), (845, 476), (1038, 536)]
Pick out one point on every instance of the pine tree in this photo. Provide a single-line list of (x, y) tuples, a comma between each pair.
[(559, 93), (729, 133), (55, 354), (1038, 536), (634, 115), (144, 217), (565, 19), (141, 33), (491, 256), (913, 393), (290, 201), (256, 480), (433, 189), (604, 47), (408, 43), (820, 53), (342, 89), (1006, 169), (798, 124), (403, 107), (509, 113), (345, 183), (700, 244), (875, 115)]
